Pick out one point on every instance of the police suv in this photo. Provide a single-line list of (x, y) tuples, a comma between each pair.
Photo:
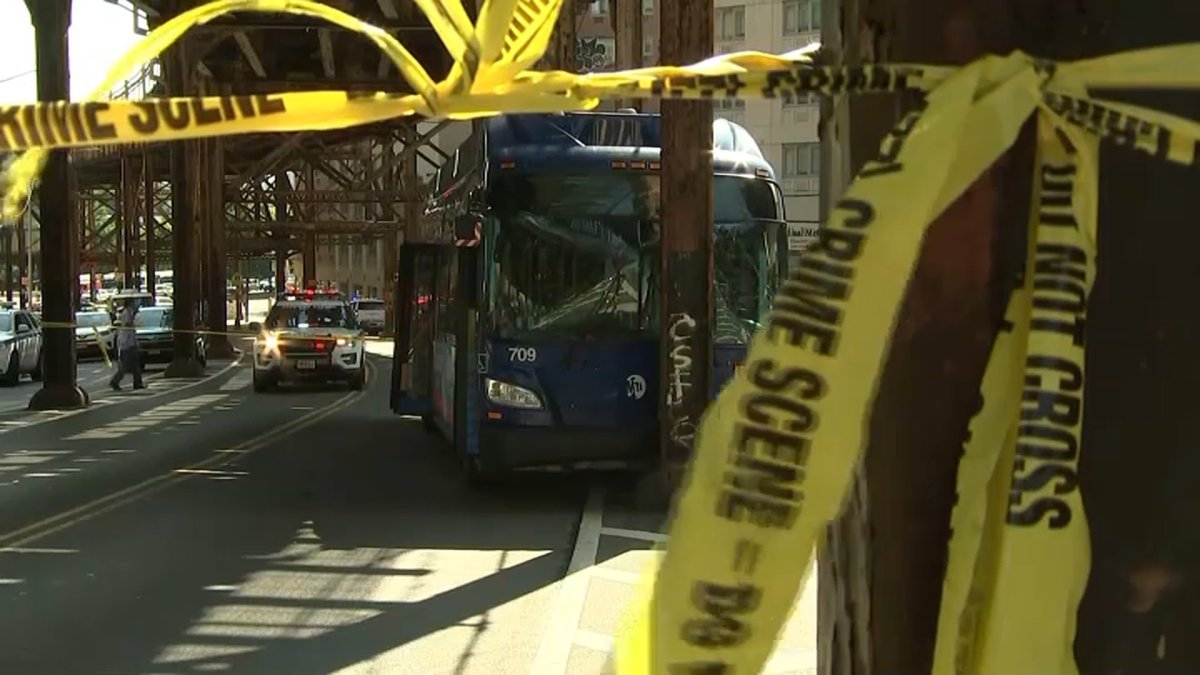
[(310, 336)]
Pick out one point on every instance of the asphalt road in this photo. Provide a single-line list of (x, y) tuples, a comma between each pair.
[(93, 376), (201, 528)]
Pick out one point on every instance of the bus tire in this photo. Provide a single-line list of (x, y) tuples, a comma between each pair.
[(13, 375), (36, 375), (475, 473), (262, 383)]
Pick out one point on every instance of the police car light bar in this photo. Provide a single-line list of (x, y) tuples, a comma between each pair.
[(311, 294)]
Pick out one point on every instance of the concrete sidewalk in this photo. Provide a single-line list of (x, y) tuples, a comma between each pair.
[(613, 547)]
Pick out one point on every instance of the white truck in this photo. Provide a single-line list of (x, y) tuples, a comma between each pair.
[(370, 315)]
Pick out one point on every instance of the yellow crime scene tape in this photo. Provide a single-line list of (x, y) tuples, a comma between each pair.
[(65, 325), (776, 450)]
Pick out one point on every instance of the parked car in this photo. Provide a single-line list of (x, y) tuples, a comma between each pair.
[(156, 339), (370, 315), (117, 300), (93, 328), (20, 346)]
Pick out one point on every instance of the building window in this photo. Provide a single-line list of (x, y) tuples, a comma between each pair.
[(647, 48), (810, 98), (731, 23), (729, 104), (801, 16), (801, 160), (599, 7), (647, 7)]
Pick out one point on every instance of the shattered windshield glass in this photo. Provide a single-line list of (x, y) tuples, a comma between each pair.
[(577, 255)]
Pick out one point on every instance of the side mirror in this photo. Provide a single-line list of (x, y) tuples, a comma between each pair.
[(255, 327), (468, 230)]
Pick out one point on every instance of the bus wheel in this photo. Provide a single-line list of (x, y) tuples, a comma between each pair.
[(474, 472), (262, 383)]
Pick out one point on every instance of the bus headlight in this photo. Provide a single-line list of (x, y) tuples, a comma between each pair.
[(512, 396)]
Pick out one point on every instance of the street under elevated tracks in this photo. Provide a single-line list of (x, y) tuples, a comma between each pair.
[(198, 527), (315, 532)]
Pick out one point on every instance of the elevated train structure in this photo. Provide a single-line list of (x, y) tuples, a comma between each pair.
[(207, 200), (261, 196)]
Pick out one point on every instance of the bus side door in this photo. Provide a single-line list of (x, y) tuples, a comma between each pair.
[(412, 363)]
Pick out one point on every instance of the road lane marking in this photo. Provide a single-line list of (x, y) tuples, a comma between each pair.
[(239, 381), (149, 418), (28, 534), (91, 377), (593, 640), (554, 651), (52, 416), (643, 535)]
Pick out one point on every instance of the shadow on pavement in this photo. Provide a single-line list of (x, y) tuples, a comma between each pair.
[(340, 545)]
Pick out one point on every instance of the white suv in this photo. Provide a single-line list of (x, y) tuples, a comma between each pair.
[(370, 314), (309, 337)]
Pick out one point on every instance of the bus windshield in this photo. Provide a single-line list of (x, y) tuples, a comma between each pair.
[(577, 255)]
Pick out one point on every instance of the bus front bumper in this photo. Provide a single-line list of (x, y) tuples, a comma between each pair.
[(510, 447)]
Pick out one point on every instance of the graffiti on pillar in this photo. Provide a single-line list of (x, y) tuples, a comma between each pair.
[(592, 54), (680, 379)]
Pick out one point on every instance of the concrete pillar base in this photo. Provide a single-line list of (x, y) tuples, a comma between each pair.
[(59, 397), (187, 367), (220, 348)]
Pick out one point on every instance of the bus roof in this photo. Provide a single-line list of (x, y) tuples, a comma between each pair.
[(541, 141)]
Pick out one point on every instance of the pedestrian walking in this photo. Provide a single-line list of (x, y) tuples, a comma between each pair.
[(129, 357)]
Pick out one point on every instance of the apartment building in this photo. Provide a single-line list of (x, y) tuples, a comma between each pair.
[(787, 132)]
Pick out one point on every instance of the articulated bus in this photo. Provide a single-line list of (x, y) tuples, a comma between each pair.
[(527, 299)]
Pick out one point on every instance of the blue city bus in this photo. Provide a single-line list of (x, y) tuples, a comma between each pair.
[(527, 300)]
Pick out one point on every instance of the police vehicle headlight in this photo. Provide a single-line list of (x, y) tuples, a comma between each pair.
[(512, 396)]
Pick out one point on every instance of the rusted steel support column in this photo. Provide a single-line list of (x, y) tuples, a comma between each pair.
[(282, 186), (218, 312), (386, 184), (560, 53), (128, 201), (151, 221), (309, 260), (687, 241), (627, 19), (60, 289), (883, 610), (203, 231), (184, 156), (1139, 469)]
